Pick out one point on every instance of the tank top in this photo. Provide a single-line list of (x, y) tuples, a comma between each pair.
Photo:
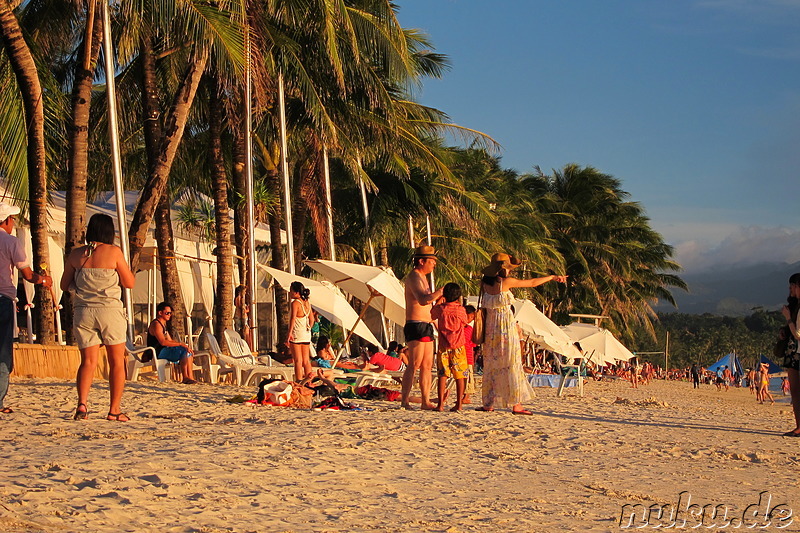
[(97, 287), (302, 329)]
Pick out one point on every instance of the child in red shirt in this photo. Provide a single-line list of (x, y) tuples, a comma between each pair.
[(451, 361)]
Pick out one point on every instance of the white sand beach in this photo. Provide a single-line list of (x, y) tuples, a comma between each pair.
[(191, 462)]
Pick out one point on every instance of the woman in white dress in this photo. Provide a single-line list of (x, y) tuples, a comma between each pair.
[(504, 380)]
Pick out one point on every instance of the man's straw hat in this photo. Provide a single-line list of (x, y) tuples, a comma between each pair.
[(424, 251)]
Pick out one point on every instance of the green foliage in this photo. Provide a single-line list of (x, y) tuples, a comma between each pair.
[(706, 338)]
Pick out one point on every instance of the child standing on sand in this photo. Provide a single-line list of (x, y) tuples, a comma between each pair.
[(764, 384), (451, 361)]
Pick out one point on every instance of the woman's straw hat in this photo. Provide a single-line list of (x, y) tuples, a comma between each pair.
[(424, 251), (501, 261)]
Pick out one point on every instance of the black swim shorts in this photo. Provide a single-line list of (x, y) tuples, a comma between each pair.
[(418, 331)]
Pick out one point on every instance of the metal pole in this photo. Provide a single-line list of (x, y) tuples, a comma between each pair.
[(411, 240), (666, 354), (287, 197), (365, 209), (251, 218), (328, 202), (430, 243), (116, 160)]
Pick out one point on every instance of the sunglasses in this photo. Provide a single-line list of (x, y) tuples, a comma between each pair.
[(167, 313)]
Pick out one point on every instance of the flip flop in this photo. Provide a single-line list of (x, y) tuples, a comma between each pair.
[(6, 410), (118, 417), (522, 412), (791, 434), (81, 415), (485, 409)]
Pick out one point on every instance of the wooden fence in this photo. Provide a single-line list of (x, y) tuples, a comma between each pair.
[(53, 361)]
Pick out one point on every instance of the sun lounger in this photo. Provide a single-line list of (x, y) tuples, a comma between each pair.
[(245, 364)]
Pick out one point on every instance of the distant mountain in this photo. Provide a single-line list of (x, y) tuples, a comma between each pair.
[(734, 291)]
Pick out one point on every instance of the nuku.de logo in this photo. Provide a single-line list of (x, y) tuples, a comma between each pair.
[(687, 515)]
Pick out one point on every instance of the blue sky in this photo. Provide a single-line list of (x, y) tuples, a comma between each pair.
[(693, 104)]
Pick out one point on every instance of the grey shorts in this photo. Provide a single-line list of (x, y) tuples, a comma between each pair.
[(100, 325)]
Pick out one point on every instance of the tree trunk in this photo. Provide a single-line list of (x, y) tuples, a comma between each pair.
[(78, 132), (170, 281), (223, 312), (153, 140), (24, 67), (172, 134), (240, 228)]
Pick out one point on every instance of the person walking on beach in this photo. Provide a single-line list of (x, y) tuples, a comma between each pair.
[(12, 255), (451, 361), (160, 339), (95, 274), (763, 385), (418, 329), (503, 377), (791, 360)]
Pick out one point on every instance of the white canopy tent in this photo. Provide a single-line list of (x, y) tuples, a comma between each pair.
[(599, 345)]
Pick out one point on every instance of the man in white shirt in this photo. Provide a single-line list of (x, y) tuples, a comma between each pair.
[(12, 255)]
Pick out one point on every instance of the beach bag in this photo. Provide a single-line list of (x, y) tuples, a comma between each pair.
[(479, 324), (278, 393)]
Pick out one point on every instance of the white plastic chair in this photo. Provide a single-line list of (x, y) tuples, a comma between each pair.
[(246, 363), (135, 362)]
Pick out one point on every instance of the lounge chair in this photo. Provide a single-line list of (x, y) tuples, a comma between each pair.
[(241, 362)]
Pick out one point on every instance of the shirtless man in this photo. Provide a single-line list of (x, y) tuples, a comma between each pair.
[(419, 328)]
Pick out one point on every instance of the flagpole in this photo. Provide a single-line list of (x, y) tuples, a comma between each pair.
[(328, 202), (287, 196), (116, 160), (251, 218)]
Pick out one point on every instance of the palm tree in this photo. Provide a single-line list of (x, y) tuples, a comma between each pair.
[(618, 266), (25, 70)]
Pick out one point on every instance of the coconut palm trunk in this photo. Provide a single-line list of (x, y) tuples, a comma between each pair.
[(153, 135), (223, 312), (24, 67), (78, 131), (241, 230), (274, 218), (172, 134)]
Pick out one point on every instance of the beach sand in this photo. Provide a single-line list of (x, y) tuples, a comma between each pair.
[(190, 461)]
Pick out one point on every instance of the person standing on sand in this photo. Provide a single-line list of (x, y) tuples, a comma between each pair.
[(95, 274), (451, 361), (12, 255), (791, 361), (418, 329), (503, 377), (695, 376)]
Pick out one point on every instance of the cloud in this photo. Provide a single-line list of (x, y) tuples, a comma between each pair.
[(748, 245)]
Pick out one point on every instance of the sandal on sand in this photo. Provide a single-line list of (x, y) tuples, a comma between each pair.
[(6, 410), (485, 409), (118, 417), (521, 412), (791, 434), (187, 381), (81, 415)]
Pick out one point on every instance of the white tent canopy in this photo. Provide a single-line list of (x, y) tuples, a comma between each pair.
[(598, 344), (544, 331)]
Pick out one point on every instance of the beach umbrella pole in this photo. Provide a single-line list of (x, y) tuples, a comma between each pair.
[(350, 333), (116, 160)]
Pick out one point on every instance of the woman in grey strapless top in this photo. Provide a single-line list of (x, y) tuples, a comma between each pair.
[(95, 275)]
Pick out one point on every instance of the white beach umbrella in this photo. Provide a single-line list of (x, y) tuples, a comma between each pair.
[(376, 286), (545, 332), (599, 344), (327, 301)]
